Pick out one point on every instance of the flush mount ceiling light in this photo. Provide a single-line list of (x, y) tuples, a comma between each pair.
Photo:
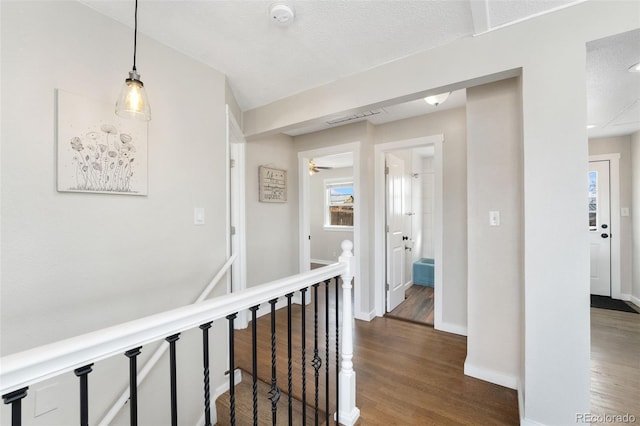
[(282, 14), (133, 101), (635, 67), (437, 99)]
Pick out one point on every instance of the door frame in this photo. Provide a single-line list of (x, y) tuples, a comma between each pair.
[(380, 222), (614, 194), (305, 213), (236, 213)]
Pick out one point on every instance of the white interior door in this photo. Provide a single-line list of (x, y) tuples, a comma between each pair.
[(395, 227), (407, 218), (600, 227)]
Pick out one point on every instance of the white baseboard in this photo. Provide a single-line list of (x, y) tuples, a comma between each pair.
[(635, 300), (491, 376), (452, 328), (625, 296), (323, 262), (523, 420), (364, 316)]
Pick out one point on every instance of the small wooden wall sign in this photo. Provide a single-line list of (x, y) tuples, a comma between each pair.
[(273, 185)]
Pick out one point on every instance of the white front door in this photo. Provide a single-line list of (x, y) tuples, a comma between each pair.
[(600, 228), (395, 237)]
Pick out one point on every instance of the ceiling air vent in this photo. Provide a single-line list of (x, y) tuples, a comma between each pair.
[(358, 116)]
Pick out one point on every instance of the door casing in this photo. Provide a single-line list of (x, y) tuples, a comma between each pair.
[(614, 182)]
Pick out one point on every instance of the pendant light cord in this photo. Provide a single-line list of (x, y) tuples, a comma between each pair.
[(135, 35)]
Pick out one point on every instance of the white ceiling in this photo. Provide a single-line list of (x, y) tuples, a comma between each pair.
[(328, 39)]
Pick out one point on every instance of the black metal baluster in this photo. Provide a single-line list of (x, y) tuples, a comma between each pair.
[(303, 293), (82, 373), (232, 379), (15, 399), (254, 361), (337, 352), (317, 362), (174, 380), (274, 393), (133, 384), (205, 362), (289, 363), (326, 349)]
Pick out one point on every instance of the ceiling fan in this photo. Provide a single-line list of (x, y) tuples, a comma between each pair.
[(313, 169)]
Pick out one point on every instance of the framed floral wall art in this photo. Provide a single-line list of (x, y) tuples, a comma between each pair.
[(98, 151)]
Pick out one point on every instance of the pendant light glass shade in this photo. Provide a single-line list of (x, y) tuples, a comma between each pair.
[(133, 101)]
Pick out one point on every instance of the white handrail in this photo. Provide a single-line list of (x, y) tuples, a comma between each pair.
[(151, 362), (34, 365)]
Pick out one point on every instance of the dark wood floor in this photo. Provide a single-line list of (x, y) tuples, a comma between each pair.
[(615, 362), (407, 374), (416, 307)]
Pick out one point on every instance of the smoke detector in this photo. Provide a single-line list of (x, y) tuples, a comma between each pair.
[(282, 14)]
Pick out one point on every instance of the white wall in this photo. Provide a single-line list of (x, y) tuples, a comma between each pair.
[(495, 272), (73, 263), (620, 145), (635, 216), (325, 244), (427, 197), (272, 228), (556, 330)]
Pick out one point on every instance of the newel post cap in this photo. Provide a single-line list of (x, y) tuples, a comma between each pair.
[(347, 248)]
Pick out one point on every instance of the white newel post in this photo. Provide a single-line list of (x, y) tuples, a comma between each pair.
[(348, 412)]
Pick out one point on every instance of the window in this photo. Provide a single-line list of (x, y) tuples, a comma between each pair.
[(593, 200), (338, 203)]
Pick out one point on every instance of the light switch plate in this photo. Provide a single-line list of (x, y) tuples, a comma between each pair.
[(198, 215), (494, 218)]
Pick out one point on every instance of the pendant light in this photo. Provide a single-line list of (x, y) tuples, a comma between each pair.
[(133, 101)]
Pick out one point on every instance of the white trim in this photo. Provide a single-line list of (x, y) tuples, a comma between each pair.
[(491, 376), (237, 146), (322, 262), (625, 296), (379, 224), (334, 228), (304, 213), (614, 185), (635, 300), (453, 328)]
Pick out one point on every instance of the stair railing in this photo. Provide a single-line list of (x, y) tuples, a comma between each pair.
[(79, 354), (151, 362)]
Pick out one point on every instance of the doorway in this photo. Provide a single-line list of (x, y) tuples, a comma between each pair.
[(410, 205), (380, 222), (305, 260), (600, 228), (605, 250)]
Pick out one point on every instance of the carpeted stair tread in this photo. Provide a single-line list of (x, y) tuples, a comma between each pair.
[(244, 406)]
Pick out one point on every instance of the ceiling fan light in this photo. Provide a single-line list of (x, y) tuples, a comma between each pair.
[(436, 100)]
